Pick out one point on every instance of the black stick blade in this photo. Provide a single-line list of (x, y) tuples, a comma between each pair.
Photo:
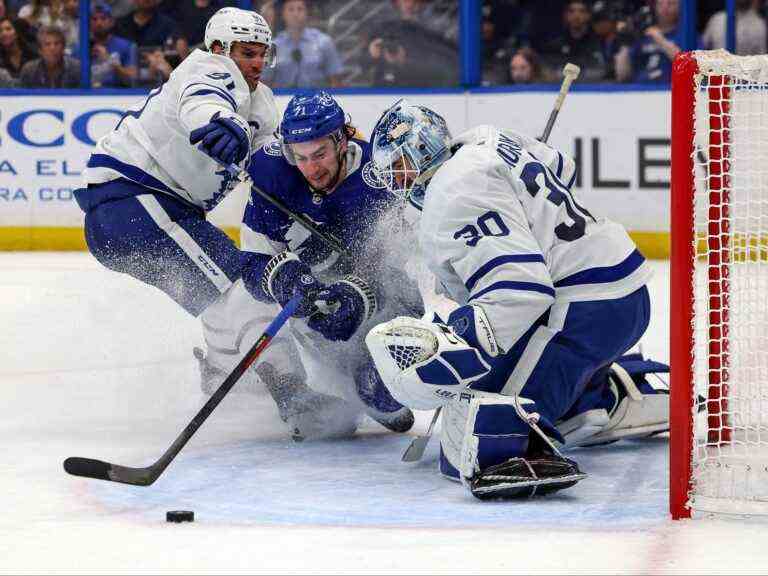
[(87, 467)]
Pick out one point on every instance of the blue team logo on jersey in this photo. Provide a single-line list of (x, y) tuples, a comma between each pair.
[(371, 177), (273, 148)]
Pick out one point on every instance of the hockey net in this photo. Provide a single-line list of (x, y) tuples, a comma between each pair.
[(719, 285)]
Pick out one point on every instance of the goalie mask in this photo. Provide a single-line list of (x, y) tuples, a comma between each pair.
[(230, 25), (409, 144)]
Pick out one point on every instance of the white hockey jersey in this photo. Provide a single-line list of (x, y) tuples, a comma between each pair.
[(502, 229), (151, 145)]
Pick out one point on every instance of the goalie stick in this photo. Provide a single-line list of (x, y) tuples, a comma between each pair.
[(571, 72), (100, 470)]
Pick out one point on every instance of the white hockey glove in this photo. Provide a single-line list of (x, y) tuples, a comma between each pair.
[(471, 323), (423, 364)]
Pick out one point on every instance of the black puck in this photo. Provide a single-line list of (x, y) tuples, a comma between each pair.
[(180, 516)]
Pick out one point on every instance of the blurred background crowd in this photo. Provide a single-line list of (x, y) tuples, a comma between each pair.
[(368, 43)]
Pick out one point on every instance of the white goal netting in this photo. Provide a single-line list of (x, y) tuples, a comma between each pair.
[(729, 472)]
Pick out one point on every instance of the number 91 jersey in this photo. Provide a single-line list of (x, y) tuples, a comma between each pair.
[(502, 228)]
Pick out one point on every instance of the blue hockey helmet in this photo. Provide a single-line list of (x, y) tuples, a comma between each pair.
[(311, 115), (409, 144)]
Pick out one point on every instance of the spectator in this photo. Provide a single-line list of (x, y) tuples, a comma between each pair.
[(15, 51), (145, 26), (605, 16), (524, 67), (649, 44), (503, 30), (53, 69), (4, 13), (307, 57), (578, 44), (44, 13), (113, 59), (402, 52), (268, 11), (751, 31), (191, 17), (6, 80), (71, 23)]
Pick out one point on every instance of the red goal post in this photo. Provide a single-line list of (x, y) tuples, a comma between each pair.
[(719, 285)]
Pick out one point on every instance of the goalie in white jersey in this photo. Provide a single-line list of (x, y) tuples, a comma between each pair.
[(151, 181), (550, 298)]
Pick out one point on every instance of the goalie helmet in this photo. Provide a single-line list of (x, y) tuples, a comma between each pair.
[(310, 116), (230, 25), (409, 144)]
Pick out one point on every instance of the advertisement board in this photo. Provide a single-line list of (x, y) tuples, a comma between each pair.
[(620, 141)]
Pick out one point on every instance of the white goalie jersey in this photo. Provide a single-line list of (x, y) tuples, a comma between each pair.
[(151, 145), (502, 229)]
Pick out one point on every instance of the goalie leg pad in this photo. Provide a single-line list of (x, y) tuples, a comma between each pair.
[(619, 404)]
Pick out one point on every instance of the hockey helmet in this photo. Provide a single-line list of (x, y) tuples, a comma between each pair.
[(230, 25), (309, 116), (409, 144)]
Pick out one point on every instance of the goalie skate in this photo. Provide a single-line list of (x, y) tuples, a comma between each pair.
[(636, 410), (525, 477)]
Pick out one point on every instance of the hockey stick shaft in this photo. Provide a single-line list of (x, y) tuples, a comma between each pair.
[(329, 239), (100, 470), (570, 73)]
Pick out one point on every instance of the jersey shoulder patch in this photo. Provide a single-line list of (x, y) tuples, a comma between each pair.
[(273, 148), (370, 177)]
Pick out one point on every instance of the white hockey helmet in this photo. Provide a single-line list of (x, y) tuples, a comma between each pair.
[(230, 25)]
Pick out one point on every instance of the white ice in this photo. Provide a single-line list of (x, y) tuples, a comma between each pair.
[(96, 364)]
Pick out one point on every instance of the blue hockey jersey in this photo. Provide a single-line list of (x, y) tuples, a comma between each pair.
[(360, 212)]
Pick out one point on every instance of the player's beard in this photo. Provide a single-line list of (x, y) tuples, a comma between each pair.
[(335, 177)]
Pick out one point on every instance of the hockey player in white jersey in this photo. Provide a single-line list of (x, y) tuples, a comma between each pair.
[(150, 182), (550, 298)]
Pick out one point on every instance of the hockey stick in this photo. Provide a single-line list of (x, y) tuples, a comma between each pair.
[(100, 470), (330, 240), (571, 72)]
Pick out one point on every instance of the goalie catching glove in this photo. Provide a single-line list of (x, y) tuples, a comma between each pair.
[(425, 364)]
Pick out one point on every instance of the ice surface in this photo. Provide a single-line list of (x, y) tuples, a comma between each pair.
[(95, 364)]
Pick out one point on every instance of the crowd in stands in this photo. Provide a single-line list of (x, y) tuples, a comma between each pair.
[(138, 43)]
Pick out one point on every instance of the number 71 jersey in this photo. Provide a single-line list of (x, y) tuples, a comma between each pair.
[(502, 228)]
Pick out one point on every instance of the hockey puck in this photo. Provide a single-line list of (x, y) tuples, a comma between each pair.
[(180, 516)]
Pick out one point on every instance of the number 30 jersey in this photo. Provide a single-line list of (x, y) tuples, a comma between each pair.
[(501, 228)]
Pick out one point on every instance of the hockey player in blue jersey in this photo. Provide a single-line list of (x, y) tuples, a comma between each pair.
[(151, 181), (319, 169), (551, 298)]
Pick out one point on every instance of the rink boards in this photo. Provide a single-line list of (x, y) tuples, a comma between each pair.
[(620, 140)]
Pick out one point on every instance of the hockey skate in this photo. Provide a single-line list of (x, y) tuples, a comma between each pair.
[(310, 415), (212, 376), (540, 472), (379, 404), (619, 404)]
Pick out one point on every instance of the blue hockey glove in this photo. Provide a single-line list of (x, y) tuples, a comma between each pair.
[(286, 276), (342, 308), (224, 138)]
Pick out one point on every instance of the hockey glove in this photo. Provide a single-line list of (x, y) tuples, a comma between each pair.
[(226, 139), (342, 308), (471, 323), (286, 276)]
